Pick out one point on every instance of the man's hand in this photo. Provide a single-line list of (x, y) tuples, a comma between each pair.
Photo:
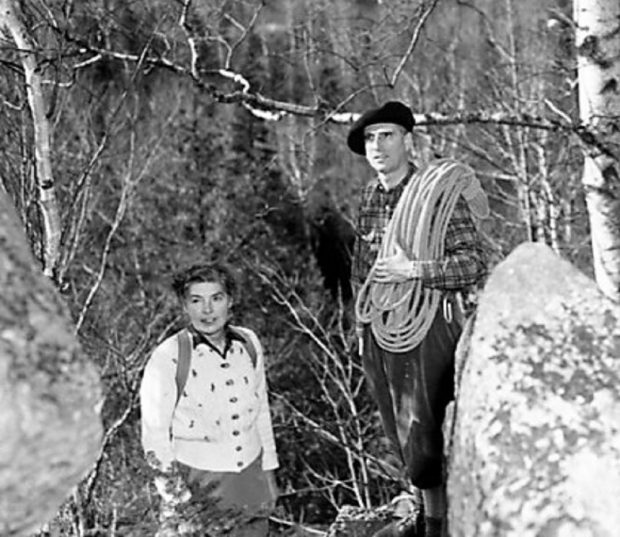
[(396, 269), (359, 332)]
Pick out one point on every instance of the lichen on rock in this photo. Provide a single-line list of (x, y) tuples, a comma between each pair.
[(536, 437)]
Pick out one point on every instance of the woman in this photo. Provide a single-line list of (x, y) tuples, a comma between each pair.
[(208, 429)]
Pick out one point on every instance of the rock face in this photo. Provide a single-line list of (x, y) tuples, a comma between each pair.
[(535, 449), (49, 429)]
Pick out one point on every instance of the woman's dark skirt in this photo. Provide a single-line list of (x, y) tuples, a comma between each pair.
[(246, 494)]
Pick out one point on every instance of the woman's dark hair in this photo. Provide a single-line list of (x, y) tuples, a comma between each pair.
[(203, 273)]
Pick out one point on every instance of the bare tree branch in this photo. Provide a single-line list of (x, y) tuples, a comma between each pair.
[(415, 36), (271, 109), (244, 33)]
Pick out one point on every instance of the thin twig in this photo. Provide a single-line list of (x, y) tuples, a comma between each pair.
[(297, 525), (415, 36), (244, 34), (386, 467)]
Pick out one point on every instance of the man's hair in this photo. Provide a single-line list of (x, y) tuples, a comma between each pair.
[(204, 273)]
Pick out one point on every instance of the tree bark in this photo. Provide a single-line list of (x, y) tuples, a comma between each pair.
[(11, 20), (598, 52)]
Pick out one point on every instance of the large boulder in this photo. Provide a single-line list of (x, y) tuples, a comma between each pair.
[(535, 449), (49, 427)]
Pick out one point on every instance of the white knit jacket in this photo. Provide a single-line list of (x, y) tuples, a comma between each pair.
[(222, 421)]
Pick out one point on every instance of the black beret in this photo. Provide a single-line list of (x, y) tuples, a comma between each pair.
[(391, 112)]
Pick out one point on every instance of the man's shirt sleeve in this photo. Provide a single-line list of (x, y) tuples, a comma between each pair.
[(464, 262)]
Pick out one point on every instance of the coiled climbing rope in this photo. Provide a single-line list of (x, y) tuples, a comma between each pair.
[(401, 313)]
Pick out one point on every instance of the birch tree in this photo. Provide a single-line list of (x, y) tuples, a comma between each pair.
[(598, 53), (12, 22)]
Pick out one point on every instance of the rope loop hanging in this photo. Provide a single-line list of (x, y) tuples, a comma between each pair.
[(401, 313)]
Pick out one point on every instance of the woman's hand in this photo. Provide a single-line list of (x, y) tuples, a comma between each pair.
[(172, 489), (271, 484)]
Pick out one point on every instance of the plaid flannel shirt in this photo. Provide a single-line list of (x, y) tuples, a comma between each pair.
[(464, 262)]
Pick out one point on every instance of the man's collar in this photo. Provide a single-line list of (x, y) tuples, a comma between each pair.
[(402, 183)]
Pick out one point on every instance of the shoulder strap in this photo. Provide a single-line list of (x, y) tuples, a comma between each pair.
[(247, 342), (183, 361)]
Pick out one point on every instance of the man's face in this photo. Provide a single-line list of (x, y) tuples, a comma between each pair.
[(386, 147)]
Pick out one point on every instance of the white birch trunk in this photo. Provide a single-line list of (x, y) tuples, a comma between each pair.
[(11, 21), (598, 51)]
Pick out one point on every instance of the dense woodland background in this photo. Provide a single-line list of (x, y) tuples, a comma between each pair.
[(159, 158)]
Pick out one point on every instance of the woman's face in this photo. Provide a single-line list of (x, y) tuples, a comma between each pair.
[(208, 306)]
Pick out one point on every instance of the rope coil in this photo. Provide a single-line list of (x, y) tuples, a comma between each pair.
[(401, 313)]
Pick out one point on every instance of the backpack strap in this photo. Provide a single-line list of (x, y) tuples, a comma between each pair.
[(183, 361), (248, 343)]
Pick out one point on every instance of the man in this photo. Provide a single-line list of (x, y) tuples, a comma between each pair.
[(412, 388)]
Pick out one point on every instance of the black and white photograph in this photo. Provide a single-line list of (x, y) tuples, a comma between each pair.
[(309, 268)]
